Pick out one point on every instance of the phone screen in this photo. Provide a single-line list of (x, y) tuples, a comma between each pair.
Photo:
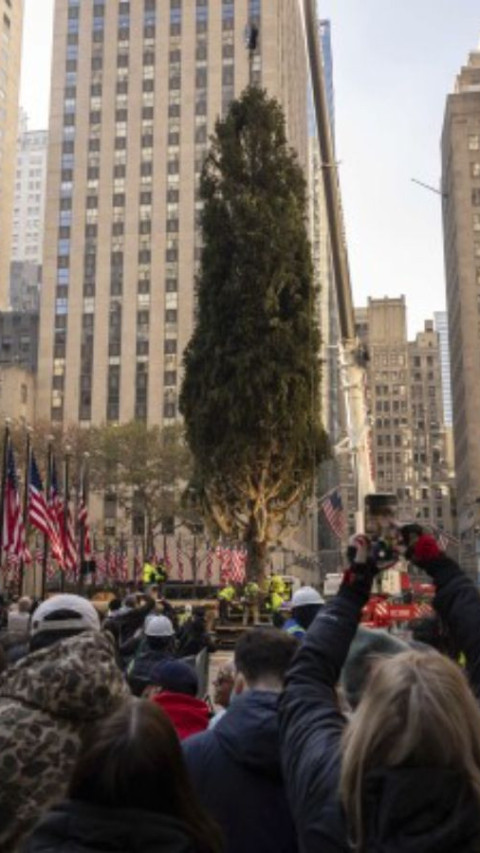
[(380, 513)]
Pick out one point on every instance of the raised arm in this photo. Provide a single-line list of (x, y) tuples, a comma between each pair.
[(311, 722), (457, 601)]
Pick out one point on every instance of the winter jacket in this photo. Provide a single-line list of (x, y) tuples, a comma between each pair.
[(75, 827), (235, 769), (125, 623), (410, 810), (141, 667), (45, 701), (188, 714), (457, 601), (193, 637)]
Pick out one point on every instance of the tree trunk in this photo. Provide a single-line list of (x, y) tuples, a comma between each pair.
[(257, 561)]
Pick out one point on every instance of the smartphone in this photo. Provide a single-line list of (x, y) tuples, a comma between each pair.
[(380, 526)]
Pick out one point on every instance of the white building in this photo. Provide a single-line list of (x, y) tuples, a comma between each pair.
[(441, 327), (30, 185)]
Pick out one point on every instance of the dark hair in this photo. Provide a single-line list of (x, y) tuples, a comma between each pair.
[(264, 652), (133, 760)]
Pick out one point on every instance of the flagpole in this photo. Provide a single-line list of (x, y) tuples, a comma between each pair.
[(66, 501), (83, 496), (6, 442), (28, 454), (48, 487)]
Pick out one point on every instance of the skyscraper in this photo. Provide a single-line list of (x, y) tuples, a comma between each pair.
[(461, 221), (11, 19), (136, 89), (30, 182), (441, 327), (405, 398)]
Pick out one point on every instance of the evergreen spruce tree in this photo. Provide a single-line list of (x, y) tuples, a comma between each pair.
[(250, 396)]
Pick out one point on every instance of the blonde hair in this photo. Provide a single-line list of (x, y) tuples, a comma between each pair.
[(417, 711)]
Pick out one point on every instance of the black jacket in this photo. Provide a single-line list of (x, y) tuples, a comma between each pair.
[(74, 827), (410, 811), (457, 601), (235, 769)]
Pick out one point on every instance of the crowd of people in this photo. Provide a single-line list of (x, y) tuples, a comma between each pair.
[(322, 735)]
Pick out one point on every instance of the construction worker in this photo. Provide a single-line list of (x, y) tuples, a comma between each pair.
[(251, 596), (149, 573), (305, 604), (225, 597)]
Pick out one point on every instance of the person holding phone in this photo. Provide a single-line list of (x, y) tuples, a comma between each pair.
[(401, 774)]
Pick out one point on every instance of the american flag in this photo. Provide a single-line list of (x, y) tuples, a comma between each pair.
[(225, 564), (333, 508), (38, 511), (13, 529), (55, 507), (238, 563), (101, 565), (85, 527), (69, 545)]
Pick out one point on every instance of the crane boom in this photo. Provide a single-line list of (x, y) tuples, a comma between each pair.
[(352, 365)]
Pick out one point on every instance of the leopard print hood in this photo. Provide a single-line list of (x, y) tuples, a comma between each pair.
[(75, 678), (46, 700)]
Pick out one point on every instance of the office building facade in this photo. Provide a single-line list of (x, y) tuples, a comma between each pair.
[(461, 221), (29, 205), (441, 327), (136, 89), (11, 20), (409, 439)]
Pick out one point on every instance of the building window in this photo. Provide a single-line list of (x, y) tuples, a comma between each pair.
[(473, 142)]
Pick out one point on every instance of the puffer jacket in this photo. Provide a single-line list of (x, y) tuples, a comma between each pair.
[(80, 827), (45, 701)]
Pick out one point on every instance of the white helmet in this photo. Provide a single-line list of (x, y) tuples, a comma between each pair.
[(306, 595), (159, 626), (77, 614)]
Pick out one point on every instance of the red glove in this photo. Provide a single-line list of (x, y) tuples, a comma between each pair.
[(425, 549)]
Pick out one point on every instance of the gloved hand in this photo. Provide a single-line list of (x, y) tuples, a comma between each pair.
[(423, 550), (362, 568)]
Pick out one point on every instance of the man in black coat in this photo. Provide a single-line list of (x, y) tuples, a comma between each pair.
[(312, 724), (235, 767)]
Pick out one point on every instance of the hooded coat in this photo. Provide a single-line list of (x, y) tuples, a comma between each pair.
[(45, 701), (80, 827), (235, 769)]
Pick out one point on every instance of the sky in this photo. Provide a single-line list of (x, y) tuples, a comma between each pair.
[(394, 63)]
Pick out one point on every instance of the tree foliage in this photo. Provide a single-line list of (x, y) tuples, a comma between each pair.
[(146, 469), (250, 394)]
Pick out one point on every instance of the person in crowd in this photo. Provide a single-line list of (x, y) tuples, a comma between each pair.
[(251, 603), (14, 640), (235, 767), (305, 604), (194, 637), (68, 681), (226, 596), (403, 773), (19, 617), (174, 688), (156, 645), (223, 686), (126, 625), (129, 793), (368, 645)]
